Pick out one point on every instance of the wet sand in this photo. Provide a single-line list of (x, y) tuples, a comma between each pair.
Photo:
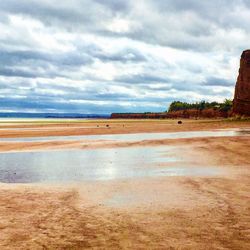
[(99, 127), (171, 212)]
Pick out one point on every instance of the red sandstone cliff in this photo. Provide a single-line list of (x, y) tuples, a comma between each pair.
[(191, 113), (241, 104)]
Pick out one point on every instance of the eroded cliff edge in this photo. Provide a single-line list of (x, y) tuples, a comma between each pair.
[(241, 103)]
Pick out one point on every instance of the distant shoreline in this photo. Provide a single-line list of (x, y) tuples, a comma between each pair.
[(17, 115)]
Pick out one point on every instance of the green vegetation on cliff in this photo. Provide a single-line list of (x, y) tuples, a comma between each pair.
[(178, 106)]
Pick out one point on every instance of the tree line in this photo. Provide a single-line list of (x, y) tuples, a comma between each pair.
[(178, 105)]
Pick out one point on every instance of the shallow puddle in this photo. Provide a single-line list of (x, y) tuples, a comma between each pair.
[(46, 128), (244, 132), (96, 164), (136, 137)]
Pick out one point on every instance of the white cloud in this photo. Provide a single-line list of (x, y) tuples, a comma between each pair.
[(119, 55)]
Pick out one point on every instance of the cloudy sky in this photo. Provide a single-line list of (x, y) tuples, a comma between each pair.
[(102, 56)]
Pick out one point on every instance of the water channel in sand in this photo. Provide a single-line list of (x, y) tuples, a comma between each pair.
[(103, 164), (135, 137)]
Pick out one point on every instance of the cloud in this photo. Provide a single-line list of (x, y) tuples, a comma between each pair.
[(117, 55), (125, 55), (214, 81), (141, 79)]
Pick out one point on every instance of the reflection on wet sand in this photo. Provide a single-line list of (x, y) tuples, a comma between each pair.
[(135, 137), (243, 132), (94, 164)]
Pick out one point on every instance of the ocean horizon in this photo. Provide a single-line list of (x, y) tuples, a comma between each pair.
[(52, 115)]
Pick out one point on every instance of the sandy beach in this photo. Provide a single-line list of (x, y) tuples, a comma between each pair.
[(205, 211)]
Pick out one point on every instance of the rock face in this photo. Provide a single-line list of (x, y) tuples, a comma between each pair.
[(241, 104), (191, 113)]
